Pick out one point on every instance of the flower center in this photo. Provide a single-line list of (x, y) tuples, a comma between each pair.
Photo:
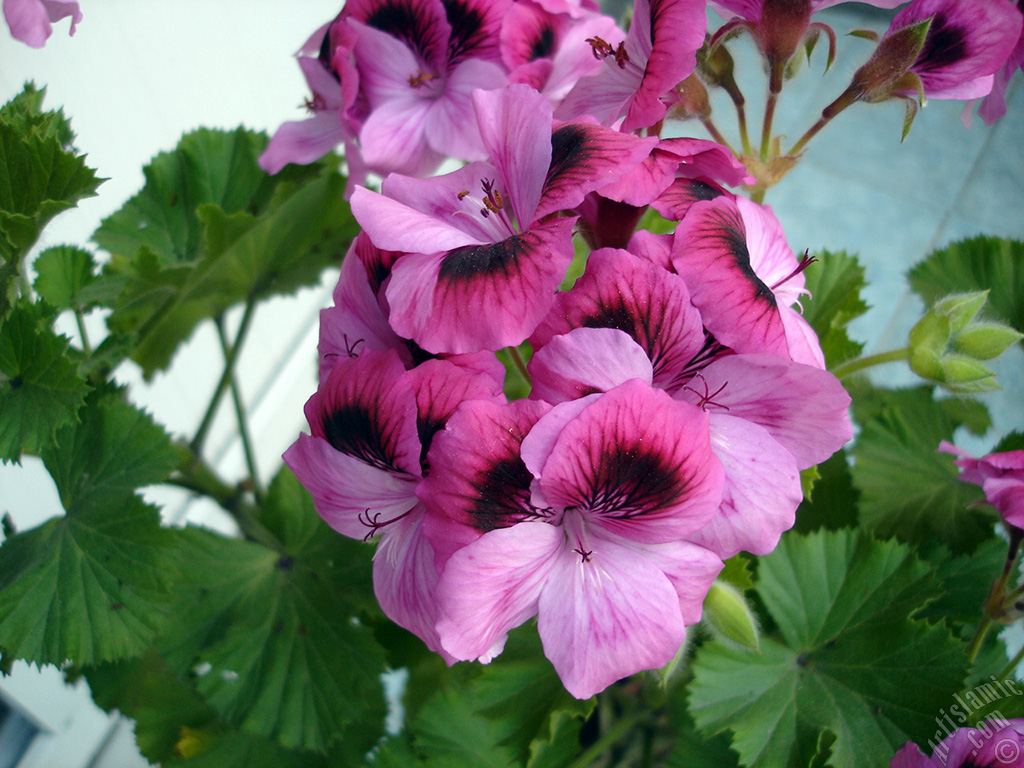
[(421, 78), (603, 49)]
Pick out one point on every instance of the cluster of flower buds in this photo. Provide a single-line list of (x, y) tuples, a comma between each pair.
[(949, 345), (675, 390)]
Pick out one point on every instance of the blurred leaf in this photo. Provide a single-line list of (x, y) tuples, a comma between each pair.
[(274, 639), (967, 580), (979, 263), (66, 279), (448, 732), (210, 229), (90, 586), (849, 661), (834, 282), (242, 750), (40, 389), (907, 488), (1011, 442)]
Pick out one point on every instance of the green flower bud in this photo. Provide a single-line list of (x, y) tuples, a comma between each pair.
[(932, 332), (926, 363), (726, 612), (966, 375), (961, 308), (985, 341)]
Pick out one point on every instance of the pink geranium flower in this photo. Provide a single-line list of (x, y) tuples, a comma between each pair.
[(1000, 476), (659, 51), (591, 539), (30, 20), (484, 253), (994, 743), (994, 105)]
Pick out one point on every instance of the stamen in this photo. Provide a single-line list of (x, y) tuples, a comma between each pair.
[(708, 397), (315, 103), (492, 197), (805, 261), (602, 49), (350, 349), (373, 522), (583, 553), (421, 78), (462, 195)]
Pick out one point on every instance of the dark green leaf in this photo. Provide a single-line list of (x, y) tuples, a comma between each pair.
[(833, 504), (275, 642), (849, 660), (967, 580), (1012, 442), (40, 389), (218, 749), (66, 279), (161, 704), (448, 732), (907, 488), (834, 282), (979, 263), (91, 586)]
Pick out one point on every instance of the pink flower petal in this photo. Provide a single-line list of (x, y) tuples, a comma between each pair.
[(585, 361)]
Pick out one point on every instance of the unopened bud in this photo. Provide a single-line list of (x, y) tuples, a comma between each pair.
[(967, 376), (691, 99), (885, 72), (727, 613), (985, 341), (932, 332), (961, 308)]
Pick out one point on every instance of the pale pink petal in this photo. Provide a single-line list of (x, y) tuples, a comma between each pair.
[(607, 616), (762, 489), (492, 586), (30, 20), (584, 361), (393, 138), (303, 141), (451, 124)]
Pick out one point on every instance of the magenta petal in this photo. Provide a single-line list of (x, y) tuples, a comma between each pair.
[(607, 617), (711, 253), (480, 297), (515, 124), (303, 141), (348, 493), (584, 158), (492, 586), (619, 290), (802, 407), (393, 139), (477, 480), (690, 568), (632, 462), (675, 201), (405, 580), (762, 489), (585, 361), (451, 124), (420, 25)]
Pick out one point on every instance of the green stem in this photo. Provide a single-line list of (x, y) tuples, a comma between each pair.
[(774, 89), (240, 415), (1010, 668), (517, 359), (978, 639), (86, 346), (848, 97), (608, 739), (225, 379), (195, 475), (853, 366)]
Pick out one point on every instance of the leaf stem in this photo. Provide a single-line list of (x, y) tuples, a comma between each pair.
[(1011, 667), (978, 639), (86, 346), (240, 415), (608, 739), (850, 367), (225, 379)]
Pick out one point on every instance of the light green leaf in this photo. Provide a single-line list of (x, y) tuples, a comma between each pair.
[(66, 279), (907, 488), (849, 660), (91, 586), (979, 263), (40, 389)]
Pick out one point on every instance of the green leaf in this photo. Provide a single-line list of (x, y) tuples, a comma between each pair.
[(448, 732), (979, 263), (242, 750), (161, 704), (834, 282), (66, 279), (907, 488), (210, 229), (967, 580), (850, 660), (274, 637), (833, 504), (91, 586), (1011, 442), (40, 389), (116, 449)]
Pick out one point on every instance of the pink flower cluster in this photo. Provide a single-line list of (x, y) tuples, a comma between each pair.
[(676, 392)]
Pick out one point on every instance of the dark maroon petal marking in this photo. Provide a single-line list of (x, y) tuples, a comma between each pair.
[(408, 20), (544, 44), (630, 480), (502, 495), (568, 152), (722, 231), (945, 45), (475, 27), (355, 430), (474, 261)]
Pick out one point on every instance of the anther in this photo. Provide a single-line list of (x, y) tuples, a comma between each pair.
[(584, 554), (708, 397), (805, 261), (421, 78)]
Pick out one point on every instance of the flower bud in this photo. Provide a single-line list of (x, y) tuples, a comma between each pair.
[(726, 612), (961, 308), (966, 376), (887, 71), (985, 341)]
